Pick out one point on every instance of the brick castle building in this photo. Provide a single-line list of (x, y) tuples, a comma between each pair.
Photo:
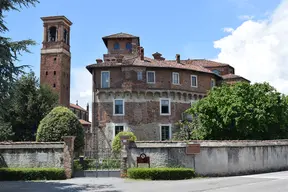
[(130, 91), (55, 67), (147, 95)]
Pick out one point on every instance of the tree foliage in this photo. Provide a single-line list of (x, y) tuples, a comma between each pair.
[(243, 111), (116, 143), (60, 122), (10, 50), (189, 130), (27, 105)]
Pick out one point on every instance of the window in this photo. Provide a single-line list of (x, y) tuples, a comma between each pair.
[(194, 80), (118, 107), (118, 129), (54, 85), (65, 36), (150, 76), (54, 72), (129, 46), (52, 34), (175, 78), (213, 83), (164, 106), (116, 46), (46, 72), (165, 132), (139, 75), (216, 71), (105, 79)]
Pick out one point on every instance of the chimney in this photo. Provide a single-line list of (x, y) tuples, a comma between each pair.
[(142, 53), (157, 56), (119, 58), (178, 58), (87, 108), (99, 61), (76, 102)]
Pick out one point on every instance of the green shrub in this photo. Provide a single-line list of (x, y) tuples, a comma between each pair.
[(161, 173), (16, 174), (116, 144), (60, 122), (90, 164)]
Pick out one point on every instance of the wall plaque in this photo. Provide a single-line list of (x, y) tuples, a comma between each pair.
[(192, 149), (143, 159)]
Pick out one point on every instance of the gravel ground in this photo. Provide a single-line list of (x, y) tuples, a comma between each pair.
[(271, 182)]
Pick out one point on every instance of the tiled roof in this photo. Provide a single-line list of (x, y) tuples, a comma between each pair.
[(205, 63), (149, 62), (83, 122), (233, 76), (77, 107), (119, 35)]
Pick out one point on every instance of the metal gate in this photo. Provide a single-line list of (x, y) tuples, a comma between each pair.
[(103, 163)]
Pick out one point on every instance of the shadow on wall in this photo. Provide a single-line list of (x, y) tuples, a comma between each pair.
[(55, 187), (2, 162)]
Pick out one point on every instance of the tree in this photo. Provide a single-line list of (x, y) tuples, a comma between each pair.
[(189, 130), (243, 111), (116, 143), (10, 50), (60, 122), (27, 105), (6, 132)]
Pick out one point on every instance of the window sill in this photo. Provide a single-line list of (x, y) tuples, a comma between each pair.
[(165, 114)]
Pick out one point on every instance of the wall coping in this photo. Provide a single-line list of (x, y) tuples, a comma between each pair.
[(31, 145), (210, 143)]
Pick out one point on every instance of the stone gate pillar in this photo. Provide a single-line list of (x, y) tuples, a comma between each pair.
[(68, 155), (125, 140)]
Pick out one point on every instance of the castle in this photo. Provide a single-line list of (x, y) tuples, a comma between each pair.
[(130, 91)]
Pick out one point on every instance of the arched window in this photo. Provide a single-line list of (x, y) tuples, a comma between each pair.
[(216, 71), (129, 46), (65, 36), (116, 46), (52, 34)]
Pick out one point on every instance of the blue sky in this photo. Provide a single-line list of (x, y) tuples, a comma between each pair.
[(188, 27)]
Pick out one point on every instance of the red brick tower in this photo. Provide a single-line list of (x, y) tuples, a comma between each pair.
[(56, 57)]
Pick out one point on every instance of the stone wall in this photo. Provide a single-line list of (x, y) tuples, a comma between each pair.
[(217, 158), (38, 154)]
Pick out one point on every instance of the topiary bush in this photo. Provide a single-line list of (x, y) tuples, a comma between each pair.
[(116, 144), (60, 122), (16, 174), (161, 173)]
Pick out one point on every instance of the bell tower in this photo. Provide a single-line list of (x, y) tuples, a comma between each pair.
[(56, 57)]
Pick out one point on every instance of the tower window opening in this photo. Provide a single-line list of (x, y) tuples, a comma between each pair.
[(129, 46), (54, 85), (52, 35), (116, 46), (46, 72), (54, 72), (65, 36)]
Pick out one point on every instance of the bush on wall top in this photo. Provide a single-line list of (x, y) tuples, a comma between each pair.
[(116, 144), (60, 122), (161, 173)]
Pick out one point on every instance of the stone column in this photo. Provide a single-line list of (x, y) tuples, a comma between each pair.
[(123, 170), (68, 155)]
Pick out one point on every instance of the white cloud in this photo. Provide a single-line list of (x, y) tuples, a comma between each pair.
[(246, 17), (258, 49), (228, 29), (81, 88)]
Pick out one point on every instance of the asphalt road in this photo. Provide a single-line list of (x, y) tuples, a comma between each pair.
[(257, 183)]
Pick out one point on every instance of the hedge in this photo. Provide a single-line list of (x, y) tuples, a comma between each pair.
[(161, 173), (16, 174)]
